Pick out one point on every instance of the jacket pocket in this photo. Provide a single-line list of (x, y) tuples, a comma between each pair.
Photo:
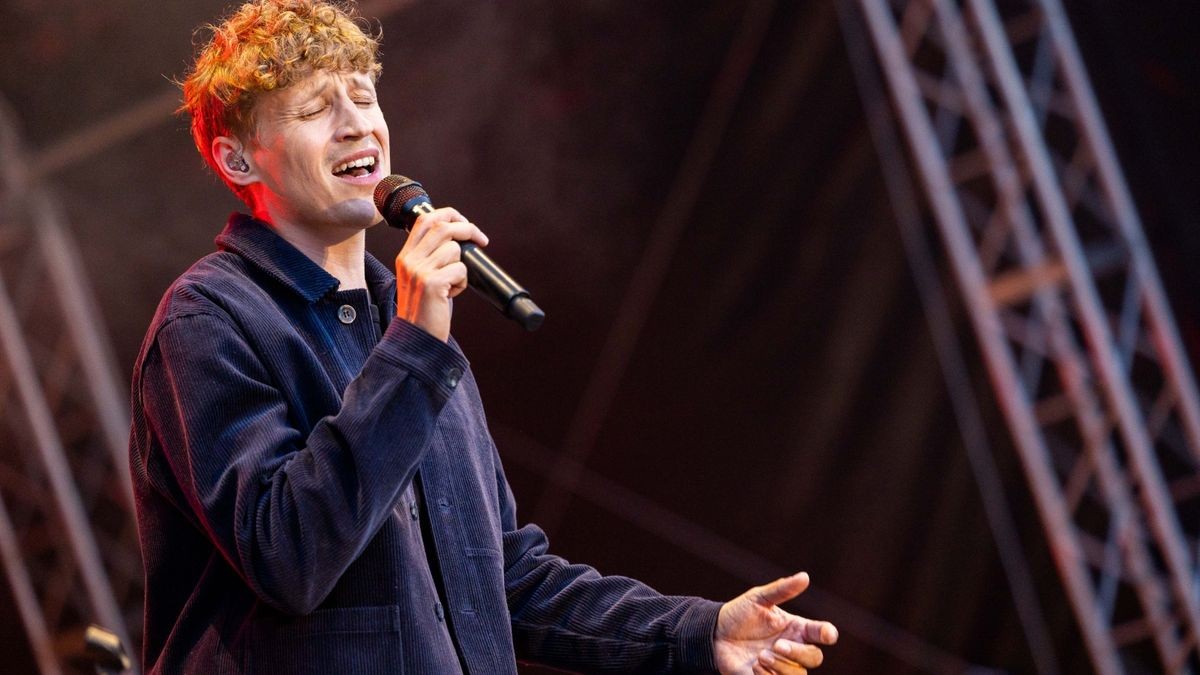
[(334, 640)]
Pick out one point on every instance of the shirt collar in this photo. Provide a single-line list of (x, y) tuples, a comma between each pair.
[(259, 244)]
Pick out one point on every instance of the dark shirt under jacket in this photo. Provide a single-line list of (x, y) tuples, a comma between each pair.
[(284, 452)]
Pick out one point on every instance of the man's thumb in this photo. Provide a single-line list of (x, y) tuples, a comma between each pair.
[(782, 590)]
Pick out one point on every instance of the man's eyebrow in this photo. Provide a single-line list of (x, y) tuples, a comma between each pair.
[(362, 80), (305, 95)]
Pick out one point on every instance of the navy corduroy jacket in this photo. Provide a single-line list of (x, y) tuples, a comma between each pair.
[(285, 450)]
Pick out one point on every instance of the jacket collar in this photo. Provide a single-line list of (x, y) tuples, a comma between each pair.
[(260, 245), (382, 284)]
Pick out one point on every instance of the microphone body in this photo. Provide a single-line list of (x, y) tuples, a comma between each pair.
[(401, 200)]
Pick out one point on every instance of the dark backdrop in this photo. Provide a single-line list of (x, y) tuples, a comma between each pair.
[(782, 409)]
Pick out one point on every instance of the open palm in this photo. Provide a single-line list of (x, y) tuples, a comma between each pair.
[(755, 636)]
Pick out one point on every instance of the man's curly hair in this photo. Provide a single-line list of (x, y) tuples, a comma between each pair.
[(266, 45)]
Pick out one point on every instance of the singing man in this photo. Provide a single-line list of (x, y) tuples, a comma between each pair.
[(317, 490)]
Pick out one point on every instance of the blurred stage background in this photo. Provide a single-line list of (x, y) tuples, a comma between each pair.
[(781, 408)]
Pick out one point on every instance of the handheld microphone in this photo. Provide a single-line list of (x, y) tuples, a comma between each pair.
[(401, 200)]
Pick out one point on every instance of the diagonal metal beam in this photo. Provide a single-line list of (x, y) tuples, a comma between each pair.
[(57, 469), (951, 220), (26, 598), (1040, 289), (1117, 388), (954, 366)]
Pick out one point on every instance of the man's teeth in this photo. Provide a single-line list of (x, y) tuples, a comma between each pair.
[(364, 162)]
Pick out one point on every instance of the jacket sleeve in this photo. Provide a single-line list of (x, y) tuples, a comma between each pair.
[(570, 616), (288, 512)]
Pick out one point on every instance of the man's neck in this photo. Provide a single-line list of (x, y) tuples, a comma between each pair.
[(339, 252)]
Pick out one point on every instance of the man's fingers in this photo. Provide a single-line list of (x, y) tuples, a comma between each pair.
[(807, 656), (436, 269), (819, 632), (448, 252), (444, 213), (781, 590), (779, 665), (428, 259), (451, 278), (458, 282), (430, 230), (426, 220), (439, 232)]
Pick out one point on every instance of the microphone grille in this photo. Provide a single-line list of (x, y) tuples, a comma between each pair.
[(396, 189)]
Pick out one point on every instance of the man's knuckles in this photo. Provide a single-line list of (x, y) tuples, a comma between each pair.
[(438, 280)]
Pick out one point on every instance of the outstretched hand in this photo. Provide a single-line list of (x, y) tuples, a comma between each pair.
[(755, 636)]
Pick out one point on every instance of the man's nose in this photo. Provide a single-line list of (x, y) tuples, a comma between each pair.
[(353, 122)]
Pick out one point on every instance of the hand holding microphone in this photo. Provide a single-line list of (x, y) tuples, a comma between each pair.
[(429, 271), (441, 256)]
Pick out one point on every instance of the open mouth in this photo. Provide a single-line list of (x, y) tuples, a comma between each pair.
[(363, 166)]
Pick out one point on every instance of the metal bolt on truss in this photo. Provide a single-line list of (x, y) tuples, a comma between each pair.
[(67, 539), (1084, 357)]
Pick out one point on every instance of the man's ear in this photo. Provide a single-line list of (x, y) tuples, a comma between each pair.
[(232, 161)]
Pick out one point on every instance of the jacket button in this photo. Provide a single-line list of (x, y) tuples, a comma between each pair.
[(453, 376), (412, 510), (346, 314), (439, 612)]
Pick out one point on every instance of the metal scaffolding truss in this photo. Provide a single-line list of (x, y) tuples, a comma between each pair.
[(1043, 240), (1048, 252), (67, 536)]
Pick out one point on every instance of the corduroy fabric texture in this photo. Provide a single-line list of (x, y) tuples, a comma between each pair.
[(276, 440)]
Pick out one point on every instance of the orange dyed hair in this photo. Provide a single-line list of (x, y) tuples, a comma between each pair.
[(266, 45)]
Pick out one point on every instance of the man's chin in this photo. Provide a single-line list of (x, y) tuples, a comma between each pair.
[(359, 213)]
